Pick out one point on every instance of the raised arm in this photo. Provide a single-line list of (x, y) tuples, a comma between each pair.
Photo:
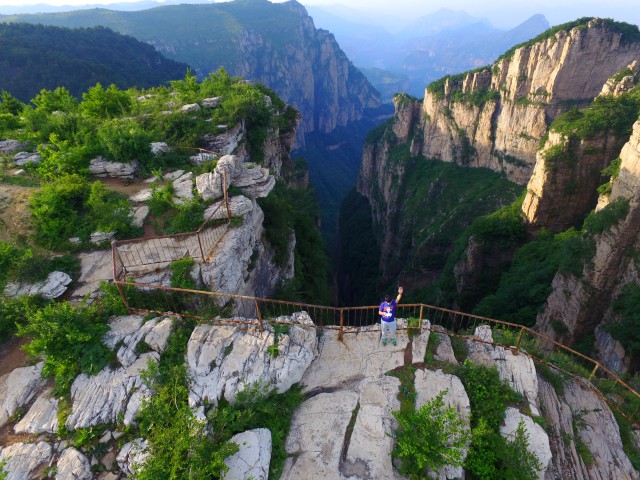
[(400, 291)]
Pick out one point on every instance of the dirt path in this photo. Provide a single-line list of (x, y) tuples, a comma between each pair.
[(12, 356)]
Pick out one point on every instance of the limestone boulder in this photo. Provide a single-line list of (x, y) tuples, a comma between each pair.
[(105, 396), (518, 371), (228, 142), (253, 457), (183, 189), (369, 449), (190, 107), (428, 385), (128, 330), (202, 158), (95, 267), (54, 286), (139, 215), (239, 205), (143, 195), (101, 167), (317, 435), (18, 388), (211, 102), (254, 181), (159, 148), (73, 465), (212, 185), (132, 455), (23, 158), (22, 459), (9, 146), (443, 350), (538, 438), (42, 417), (226, 359)]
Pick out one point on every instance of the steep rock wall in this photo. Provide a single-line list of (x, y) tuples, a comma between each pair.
[(582, 304), (496, 118)]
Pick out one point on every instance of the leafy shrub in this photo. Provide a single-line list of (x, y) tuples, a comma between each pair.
[(69, 339), (518, 462), (124, 141), (627, 330), (598, 222), (60, 157), (181, 274), (100, 103), (107, 211), (56, 209), (430, 438), (13, 312)]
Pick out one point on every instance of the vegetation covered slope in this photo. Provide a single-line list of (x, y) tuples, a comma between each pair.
[(36, 57)]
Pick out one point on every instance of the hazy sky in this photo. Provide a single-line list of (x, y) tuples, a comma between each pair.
[(502, 13)]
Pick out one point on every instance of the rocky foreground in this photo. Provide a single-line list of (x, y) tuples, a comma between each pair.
[(344, 428)]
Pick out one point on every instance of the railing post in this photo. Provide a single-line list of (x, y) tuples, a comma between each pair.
[(518, 342), (341, 324), (124, 300), (259, 315), (593, 372), (224, 190), (420, 319), (200, 245)]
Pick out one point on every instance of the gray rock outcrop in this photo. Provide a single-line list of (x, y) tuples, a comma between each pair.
[(538, 438), (23, 158), (24, 458), (54, 286), (253, 457), (132, 455), (9, 146), (18, 388), (73, 465), (224, 360), (42, 417), (101, 167)]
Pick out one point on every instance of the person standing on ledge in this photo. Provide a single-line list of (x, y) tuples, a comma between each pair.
[(388, 316)]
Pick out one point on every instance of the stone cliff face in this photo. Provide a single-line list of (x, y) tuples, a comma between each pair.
[(496, 118), (584, 305), (311, 72)]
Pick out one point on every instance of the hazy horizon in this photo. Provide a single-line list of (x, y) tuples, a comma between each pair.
[(500, 13)]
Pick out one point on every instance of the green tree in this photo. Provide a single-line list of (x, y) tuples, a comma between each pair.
[(100, 103), (518, 462), (107, 211), (124, 141), (430, 438), (58, 100), (10, 104), (61, 157)]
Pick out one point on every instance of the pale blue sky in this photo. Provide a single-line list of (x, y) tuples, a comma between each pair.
[(503, 13)]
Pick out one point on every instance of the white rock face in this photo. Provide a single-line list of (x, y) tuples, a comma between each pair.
[(538, 438), (345, 363), (95, 267), (229, 142), (130, 330), (143, 195), (73, 465), (23, 458), (183, 188), (42, 417), (101, 398), (224, 360), (317, 434), (54, 286), (101, 167), (132, 455), (22, 158), (428, 385), (211, 185), (17, 388), (518, 371), (238, 206), (443, 350), (371, 443), (253, 458), (254, 181), (139, 215)]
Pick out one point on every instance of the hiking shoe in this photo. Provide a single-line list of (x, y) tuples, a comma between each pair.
[(393, 342), (384, 342)]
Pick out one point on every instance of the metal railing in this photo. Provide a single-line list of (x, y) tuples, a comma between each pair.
[(140, 255), (225, 308)]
